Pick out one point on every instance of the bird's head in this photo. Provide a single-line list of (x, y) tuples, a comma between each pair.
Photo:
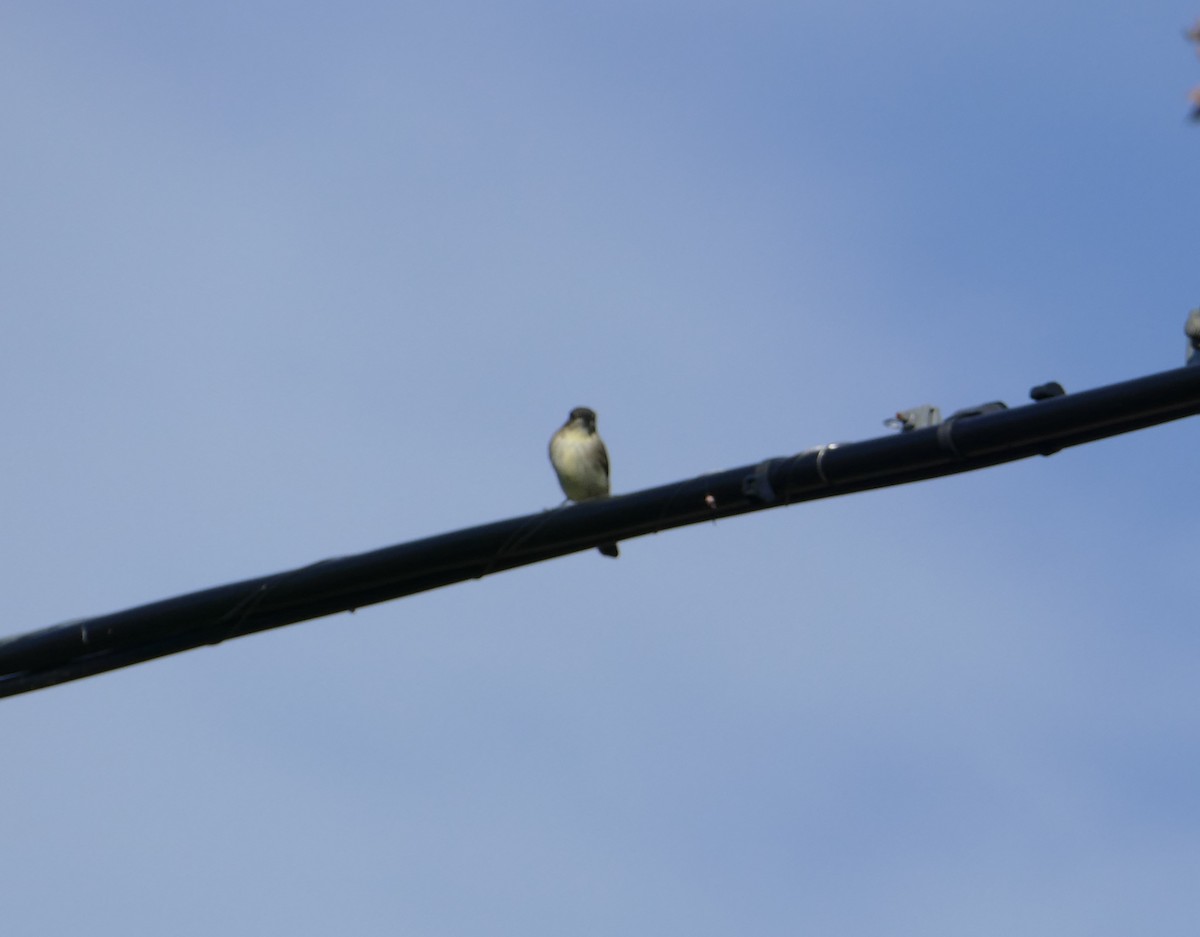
[(585, 416)]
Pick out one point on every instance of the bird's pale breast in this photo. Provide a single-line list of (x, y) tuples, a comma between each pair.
[(580, 469)]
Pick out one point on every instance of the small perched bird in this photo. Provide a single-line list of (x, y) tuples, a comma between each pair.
[(1192, 330), (579, 458)]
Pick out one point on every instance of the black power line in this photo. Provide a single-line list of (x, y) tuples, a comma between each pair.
[(929, 448)]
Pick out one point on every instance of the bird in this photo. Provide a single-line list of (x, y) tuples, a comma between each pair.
[(1192, 330), (581, 462)]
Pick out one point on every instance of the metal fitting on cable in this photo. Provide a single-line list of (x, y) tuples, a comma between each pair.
[(915, 418)]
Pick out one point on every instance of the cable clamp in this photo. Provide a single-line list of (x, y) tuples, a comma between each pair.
[(758, 486), (821, 450), (945, 432)]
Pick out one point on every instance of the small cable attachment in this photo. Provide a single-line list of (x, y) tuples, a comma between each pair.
[(1047, 391), (916, 418), (1192, 330), (757, 487), (820, 460), (946, 429)]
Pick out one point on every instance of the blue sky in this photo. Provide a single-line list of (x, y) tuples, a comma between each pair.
[(290, 281)]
